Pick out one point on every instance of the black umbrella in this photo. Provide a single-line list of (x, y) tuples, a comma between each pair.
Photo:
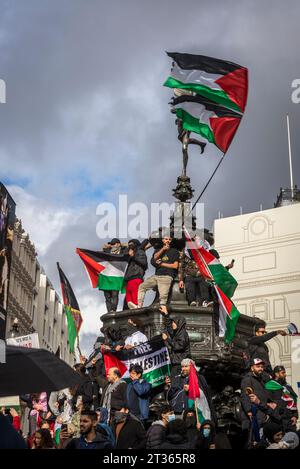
[(29, 370)]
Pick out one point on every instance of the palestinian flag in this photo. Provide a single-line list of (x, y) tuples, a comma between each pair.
[(226, 316), (106, 271), (215, 123), (288, 396), (220, 81), (153, 356), (74, 318), (196, 398), (211, 268)]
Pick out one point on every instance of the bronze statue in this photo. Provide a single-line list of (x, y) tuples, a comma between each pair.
[(184, 137)]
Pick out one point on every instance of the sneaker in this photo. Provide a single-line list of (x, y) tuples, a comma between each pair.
[(132, 305), (193, 303), (205, 304)]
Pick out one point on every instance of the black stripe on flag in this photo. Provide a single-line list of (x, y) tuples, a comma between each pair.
[(99, 256), (202, 62), (220, 111)]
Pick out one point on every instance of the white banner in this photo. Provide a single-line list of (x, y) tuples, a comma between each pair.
[(30, 341)]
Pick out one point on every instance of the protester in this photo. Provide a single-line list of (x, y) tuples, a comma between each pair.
[(87, 389), (112, 296), (38, 412), (138, 393), (128, 430), (166, 261), (157, 432), (190, 278), (257, 346), (190, 420), (253, 393), (114, 394), (102, 425), (134, 275), (134, 334), (176, 436), (178, 392), (272, 433), (113, 339), (207, 436), (90, 438), (285, 397), (177, 339), (43, 439)]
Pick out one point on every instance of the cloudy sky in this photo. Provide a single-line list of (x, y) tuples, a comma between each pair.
[(87, 117)]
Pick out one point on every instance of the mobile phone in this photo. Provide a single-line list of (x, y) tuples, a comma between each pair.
[(249, 391), (64, 427)]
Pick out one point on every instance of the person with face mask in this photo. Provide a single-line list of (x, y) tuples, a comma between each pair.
[(177, 340), (157, 432), (207, 435), (128, 430), (285, 397)]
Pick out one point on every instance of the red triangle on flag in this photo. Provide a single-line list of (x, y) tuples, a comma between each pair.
[(111, 361)]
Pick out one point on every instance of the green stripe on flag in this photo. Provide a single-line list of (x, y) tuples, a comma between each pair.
[(107, 282), (223, 279), (217, 95), (71, 328), (231, 324), (194, 125)]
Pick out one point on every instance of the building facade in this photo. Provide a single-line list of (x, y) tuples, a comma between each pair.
[(33, 300), (266, 249)]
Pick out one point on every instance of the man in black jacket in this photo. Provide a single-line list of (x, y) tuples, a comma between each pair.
[(254, 397), (178, 341), (114, 394), (134, 275), (156, 434), (128, 430), (257, 346)]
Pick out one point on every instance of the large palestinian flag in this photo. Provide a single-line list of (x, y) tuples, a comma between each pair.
[(74, 318), (106, 271), (208, 119), (220, 81), (153, 356)]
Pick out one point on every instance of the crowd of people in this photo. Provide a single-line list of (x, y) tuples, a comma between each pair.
[(108, 412)]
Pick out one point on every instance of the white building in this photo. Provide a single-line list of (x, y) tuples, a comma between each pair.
[(33, 300), (266, 249)]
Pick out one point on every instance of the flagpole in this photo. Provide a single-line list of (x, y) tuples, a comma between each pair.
[(208, 182), (196, 410), (78, 345), (290, 154)]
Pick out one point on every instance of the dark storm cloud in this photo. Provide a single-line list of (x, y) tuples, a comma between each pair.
[(87, 118)]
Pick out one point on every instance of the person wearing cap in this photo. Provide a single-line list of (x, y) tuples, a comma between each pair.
[(178, 392), (285, 398), (166, 261), (112, 296), (254, 399), (258, 347), (136, 268)]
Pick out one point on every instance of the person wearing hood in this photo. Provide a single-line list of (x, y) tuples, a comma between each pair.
[(156, 434), (113, 339), (177, 339), (190, 420), (272, 433), (136, 268), (207, 436), (178, 393), (176, 436), (9, 437), (134, 334), (289, 441), (128, 430), (103, 427)]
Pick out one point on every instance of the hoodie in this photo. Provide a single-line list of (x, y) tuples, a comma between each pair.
[(178, 340)]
